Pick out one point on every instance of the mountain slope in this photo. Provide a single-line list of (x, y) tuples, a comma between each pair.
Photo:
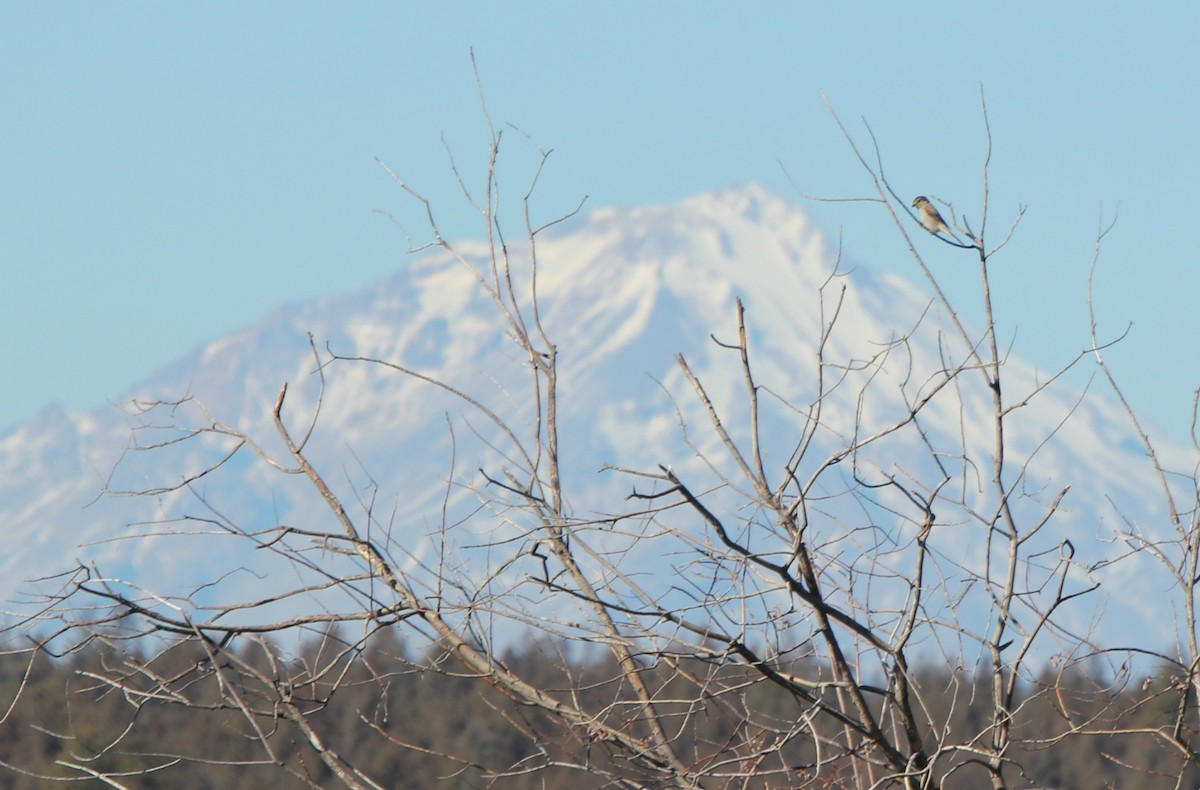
[(622, 291)]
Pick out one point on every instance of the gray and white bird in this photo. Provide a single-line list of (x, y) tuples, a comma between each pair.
[(930, 217)]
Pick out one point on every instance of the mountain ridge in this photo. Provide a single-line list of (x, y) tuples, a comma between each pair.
[(622, 290)]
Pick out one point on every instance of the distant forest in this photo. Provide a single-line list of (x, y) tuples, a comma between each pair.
[(429, 726)]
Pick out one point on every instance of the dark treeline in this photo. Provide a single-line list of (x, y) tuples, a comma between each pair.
[(421, 723)]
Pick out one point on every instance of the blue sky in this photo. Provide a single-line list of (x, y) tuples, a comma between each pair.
[(171, 172)]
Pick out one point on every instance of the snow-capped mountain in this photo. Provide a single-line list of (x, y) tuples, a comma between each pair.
[(621, 292)]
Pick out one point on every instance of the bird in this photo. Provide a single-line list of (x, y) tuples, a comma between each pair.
[(930, 217)]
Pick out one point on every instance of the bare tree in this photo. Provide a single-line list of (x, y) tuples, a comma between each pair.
[(801, 596), (1157, 711)]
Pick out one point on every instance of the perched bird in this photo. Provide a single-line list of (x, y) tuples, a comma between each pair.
[(930, 217)]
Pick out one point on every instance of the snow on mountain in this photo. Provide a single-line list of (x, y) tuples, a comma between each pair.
[(622, 291)]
